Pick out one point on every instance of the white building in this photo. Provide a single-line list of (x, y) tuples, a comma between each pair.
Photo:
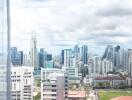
[(70, 66), (33, 51), (46, 71), (68, 57), (107, 66), (97, 66), (22, 83), (130, 62), (26, 60), (54, 86)]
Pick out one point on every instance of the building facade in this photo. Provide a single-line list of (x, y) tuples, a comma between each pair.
[(54, 86), (33, 52), (16, 57), (22, 83), (97, 66), (68, 58), (84, 54)]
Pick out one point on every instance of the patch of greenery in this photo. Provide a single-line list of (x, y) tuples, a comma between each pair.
[(37, 97), (38, 82), (107, 95)]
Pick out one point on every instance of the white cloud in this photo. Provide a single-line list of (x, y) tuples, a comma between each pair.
[(60, 23)]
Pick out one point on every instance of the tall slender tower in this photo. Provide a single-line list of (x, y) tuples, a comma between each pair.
[(68, 58), (5, 77), (33, 52), (84, 54)]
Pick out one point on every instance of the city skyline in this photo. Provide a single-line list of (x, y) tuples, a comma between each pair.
[(60, 24), (65, 49)]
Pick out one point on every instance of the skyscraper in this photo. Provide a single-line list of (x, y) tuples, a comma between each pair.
[(84, 54), (41, 58), (109, 53), (62, 57), (49, 57), (16, 57), (117, 57), (124, 59), (33, 52), (68, 58), (130, 62), (21, 57), (76, 49), (5, 89), (117, 48), (77, 53)]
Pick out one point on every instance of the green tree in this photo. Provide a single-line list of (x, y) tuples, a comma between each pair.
[(37, 97)]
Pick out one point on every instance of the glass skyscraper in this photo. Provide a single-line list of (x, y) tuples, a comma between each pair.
[(84, 54), (4, 48)]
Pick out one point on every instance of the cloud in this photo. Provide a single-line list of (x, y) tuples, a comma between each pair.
[(119, 8), (64, 23), (115, 11)]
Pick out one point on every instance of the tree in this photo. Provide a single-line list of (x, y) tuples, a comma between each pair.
[(37, 97)]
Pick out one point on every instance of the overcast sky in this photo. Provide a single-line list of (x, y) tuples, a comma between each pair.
[(64, 23)]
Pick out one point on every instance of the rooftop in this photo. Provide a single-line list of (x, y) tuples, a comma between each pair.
[(110, 78), (76, 94)]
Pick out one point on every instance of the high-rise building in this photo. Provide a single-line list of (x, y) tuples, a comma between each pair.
[(33, 52), (97, 66), (21, 57), (77, 54), (70, 65), (16, 57), (68, 57), (84, 54), (130, 62), (54, 86), (26, 60), (5, 86), (117, 57), (49, 57), (117, 48), (41, 58), (44, 58), (62, 57), (76, 49), (49, 64), (109, 53), (106, 66), (22, 83), (124, 59)]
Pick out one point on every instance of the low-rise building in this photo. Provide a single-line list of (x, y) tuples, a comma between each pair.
[(110, 81), (76, 95)]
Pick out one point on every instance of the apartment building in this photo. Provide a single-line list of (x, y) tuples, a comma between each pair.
[(22, 83), (54, 87)]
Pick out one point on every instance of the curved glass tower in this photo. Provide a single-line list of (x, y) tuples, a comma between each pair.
[(4, 51)]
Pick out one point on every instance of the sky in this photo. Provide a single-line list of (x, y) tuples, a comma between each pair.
[(61, 24)]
